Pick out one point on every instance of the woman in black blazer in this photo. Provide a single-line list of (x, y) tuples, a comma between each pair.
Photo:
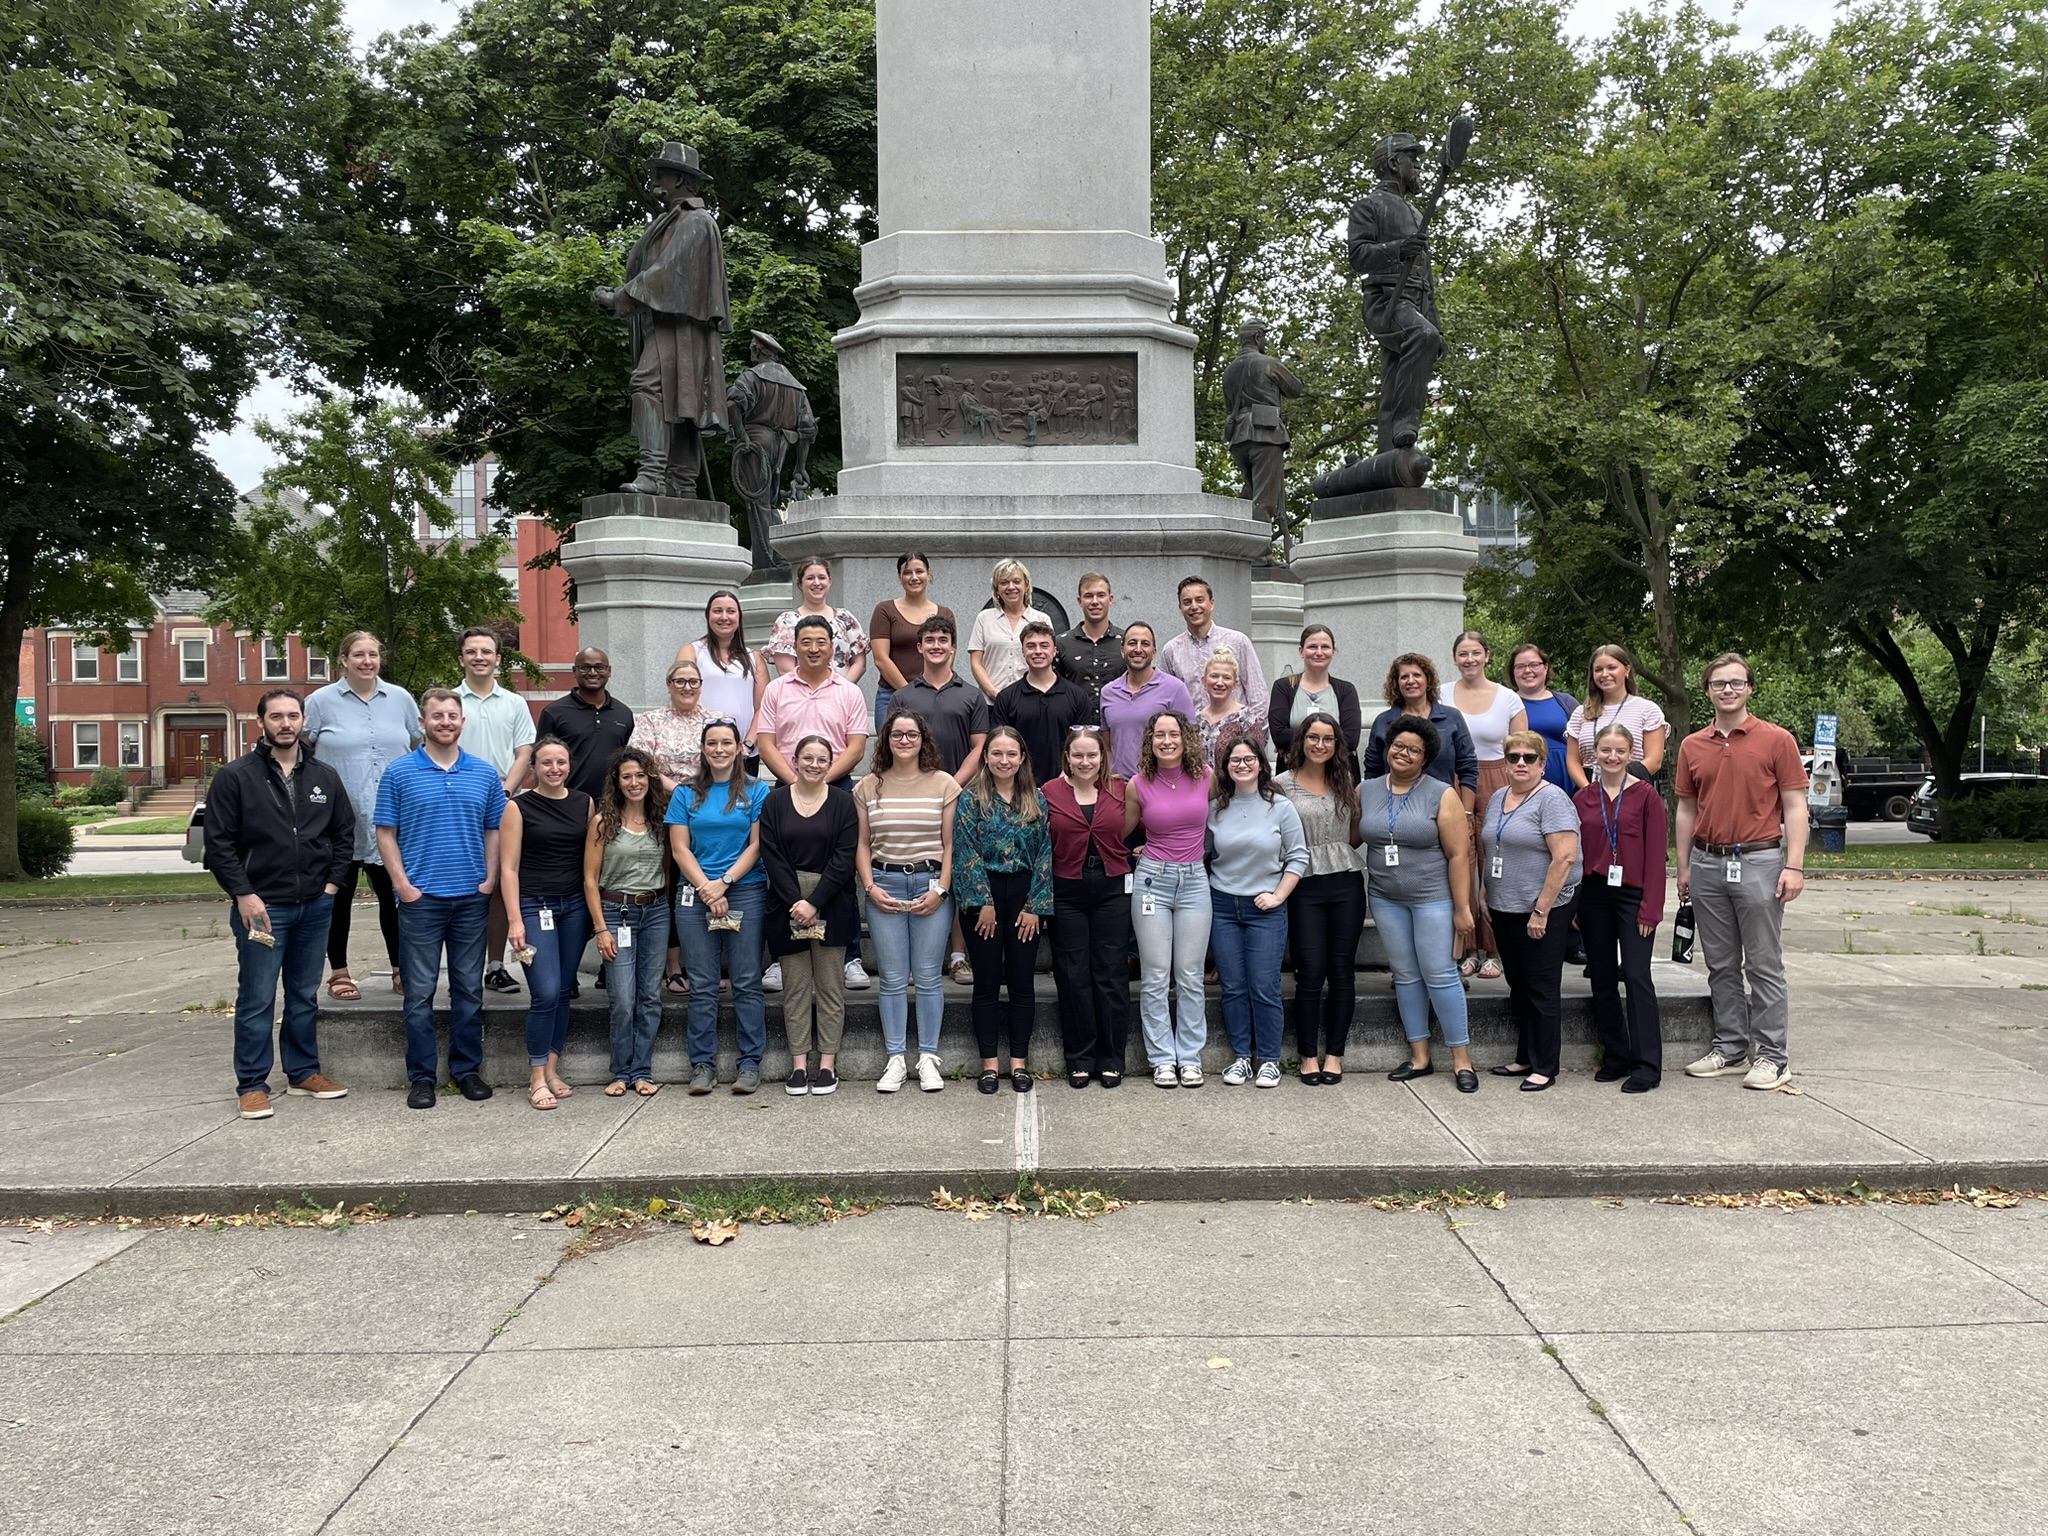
[(1315, 692), (808, 833)]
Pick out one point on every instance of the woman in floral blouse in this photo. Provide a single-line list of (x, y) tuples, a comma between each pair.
[(1002, 878), (674, 737), (814, 592), (1223, 709)]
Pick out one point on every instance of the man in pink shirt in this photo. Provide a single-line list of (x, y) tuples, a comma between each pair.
[(812, 701)]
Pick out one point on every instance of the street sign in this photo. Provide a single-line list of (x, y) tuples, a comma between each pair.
[(24, 710), (1824, 730)]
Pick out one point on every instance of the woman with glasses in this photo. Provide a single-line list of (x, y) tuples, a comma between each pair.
[(673, 736), (813, 579), (1091, 912), (905, 864), (1621, 829), (721, 906), (1416, 833), (1490, 712), (1169, 798), (1326, 914), (892, 629), (540, 862), (734, 676), (1547, 713), (1313, 691), (1612, 700), (1003, 860), (1529, 870), (625, 877), (1260, 858), (810, 831)]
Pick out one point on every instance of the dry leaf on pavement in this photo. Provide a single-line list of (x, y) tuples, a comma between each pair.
[(714, 1232)]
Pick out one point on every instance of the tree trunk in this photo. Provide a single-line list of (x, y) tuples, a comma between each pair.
[(14, 595)]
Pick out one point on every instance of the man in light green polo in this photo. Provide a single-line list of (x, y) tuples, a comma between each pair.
[(497, 727)]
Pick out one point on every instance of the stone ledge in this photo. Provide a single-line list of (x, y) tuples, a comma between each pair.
[(670, 508)]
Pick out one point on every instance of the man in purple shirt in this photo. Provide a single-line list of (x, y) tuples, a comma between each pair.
[(1129, 701)]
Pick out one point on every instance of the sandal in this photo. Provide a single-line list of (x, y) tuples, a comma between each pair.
[(960, 971), (538, 1095), (1077, 1079), (1489, 969), (678, 984), (647, 1087), (1467, 966), (343, 989), (615, 1089), (559, 1087)]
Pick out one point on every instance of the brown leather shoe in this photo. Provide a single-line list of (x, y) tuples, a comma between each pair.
[(255, 1105), (318, 1086)]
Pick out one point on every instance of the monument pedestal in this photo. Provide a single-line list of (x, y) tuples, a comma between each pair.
[(1277, 601), (1386, 571), (644, 566)]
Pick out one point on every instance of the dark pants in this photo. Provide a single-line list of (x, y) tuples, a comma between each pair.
[(1535, 973), (552, 971), (301, 933), (344, 903), (1004, 959), (1326, 914), (1634, 1039), (426, 928), (1091, 931)]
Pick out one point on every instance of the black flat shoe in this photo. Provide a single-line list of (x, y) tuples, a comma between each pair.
[(1311, 1079), (1021, 1080), (1467, 1080), (1110, 1079), (989, 1082), (1509, 1071), (420, 1095), (1077, 1079), (1608, 1074), (1639, 1084), (474, 1088), (1408, 1069), (1333, 1079), (1530, 1085)]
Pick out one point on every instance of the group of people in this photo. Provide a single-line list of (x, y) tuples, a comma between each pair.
[(1096, 789)]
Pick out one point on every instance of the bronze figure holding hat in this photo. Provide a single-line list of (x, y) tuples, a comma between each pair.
[(771, 412)]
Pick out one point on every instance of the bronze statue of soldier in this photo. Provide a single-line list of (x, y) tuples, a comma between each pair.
[(1390, 253), (675, 299), (1253, 387), (771, 412)]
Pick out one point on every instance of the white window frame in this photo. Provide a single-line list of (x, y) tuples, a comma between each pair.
[(82, 657), (128, 664), (316, 666), (80, 747), (276, 653), (129, 732), (185, 660)]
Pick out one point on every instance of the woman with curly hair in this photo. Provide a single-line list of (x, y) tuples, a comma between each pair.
[(1326, 914), (625, 877), (1169, 798)]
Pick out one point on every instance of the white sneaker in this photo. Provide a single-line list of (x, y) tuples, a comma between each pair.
[(856, 977), (928, 1077), (1767, 1074), (892, 1076), (1714, 1064), (771, 979), (1191, 1075), (1238, 1073), (1165, 1077), (1269, 1074)]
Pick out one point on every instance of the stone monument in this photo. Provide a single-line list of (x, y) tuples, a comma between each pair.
[(655, 546), (1016, 384)]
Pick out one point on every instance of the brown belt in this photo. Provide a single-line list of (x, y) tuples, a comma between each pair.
[(630, 898), (1731, 850)]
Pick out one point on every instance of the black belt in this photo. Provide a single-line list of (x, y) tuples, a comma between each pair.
[(630, 898), (1727, 850), (922, 867)]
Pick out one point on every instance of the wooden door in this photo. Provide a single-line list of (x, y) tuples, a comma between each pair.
[(191, 751)]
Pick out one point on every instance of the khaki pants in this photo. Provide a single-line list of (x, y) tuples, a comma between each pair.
[(814, 976)]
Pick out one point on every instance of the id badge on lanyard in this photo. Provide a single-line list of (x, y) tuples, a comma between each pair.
[(1495, 869), (1390, 856), (1614, 875), (547, 919), (1733, 869), (625, 937)]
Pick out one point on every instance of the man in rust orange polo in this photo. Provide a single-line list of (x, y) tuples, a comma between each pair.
[(1741, 858)]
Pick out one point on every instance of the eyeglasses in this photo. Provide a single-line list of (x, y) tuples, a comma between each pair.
[(1729, 685), (686, 682), (1404, 749), (906, 735), (1523, 757)]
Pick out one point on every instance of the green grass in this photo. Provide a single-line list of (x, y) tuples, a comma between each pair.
[(110, 887), (149, 826), (1933, 856)]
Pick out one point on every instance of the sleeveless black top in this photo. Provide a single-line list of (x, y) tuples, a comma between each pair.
[(551, 835)]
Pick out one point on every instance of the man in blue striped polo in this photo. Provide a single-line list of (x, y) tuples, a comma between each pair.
[(438, 810)]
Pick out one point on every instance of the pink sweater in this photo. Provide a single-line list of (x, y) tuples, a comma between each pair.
[(1174, 812)]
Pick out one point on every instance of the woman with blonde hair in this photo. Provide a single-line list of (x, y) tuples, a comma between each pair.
[(1612, 699), (1002, 862), (1223, 710), (995, 646)]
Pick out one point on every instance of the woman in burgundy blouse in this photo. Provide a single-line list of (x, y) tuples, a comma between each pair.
[(1091, 910), (1621, 901)]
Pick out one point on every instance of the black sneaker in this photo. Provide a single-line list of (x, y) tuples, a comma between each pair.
[(600, 978), (824, 1080), (500, 980), (420, 1095), (474, 1088), (798, 1083)]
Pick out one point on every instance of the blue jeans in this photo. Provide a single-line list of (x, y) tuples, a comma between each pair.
[(883, 694), (1419, 941), (910, 949), (632, 988), (1172, 942), (301, 933), (552, 972), (1249, 946), (425, 928), (739, 954)]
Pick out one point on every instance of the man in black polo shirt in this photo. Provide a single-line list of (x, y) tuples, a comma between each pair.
[(1042, 705), (590, 721), (1092, 652), (956, 712)]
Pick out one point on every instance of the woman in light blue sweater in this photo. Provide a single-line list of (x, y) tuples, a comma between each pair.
[(1260, 857)]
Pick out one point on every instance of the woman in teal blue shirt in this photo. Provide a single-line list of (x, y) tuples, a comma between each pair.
[(1002, 878)]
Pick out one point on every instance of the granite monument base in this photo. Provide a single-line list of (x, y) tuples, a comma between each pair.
[(1386, 571)]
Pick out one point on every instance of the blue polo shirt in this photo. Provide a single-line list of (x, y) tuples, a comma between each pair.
[(441, 816), (718, 835)]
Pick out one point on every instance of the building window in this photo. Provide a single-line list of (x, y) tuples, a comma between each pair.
[(316, 666), (462, 499), (128, 665), (191, 661), (85, 663), (85, 744), (131, 743), (276, 662)]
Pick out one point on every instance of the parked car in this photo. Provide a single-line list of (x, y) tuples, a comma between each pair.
[(1924, 814)]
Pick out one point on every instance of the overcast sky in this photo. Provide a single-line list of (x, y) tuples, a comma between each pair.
[(243, 459)]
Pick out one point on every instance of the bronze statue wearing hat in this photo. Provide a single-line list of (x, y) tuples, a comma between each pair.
[(771, 412), (1253, 387), (675, 299), (1390, 253)]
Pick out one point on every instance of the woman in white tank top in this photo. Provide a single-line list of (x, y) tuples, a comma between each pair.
[(1491, 712), (734, 674)]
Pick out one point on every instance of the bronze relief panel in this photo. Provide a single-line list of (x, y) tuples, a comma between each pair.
[(1023, 400)]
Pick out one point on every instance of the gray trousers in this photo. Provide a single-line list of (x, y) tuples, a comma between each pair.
[(1740, 928)]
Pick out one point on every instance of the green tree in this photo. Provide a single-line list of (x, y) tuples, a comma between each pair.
[(333, 544)]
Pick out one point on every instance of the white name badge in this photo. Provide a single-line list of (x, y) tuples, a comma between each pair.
[(1493, 870), (625, 937), (1146, 906), (1127, 885), (686, 897), (547, 919), (1390, 856), (1734, 870), (1614, 874)]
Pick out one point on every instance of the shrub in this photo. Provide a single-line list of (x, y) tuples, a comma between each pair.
[(43, 840), (71, 794), (109, 786), (31, 764), (2016, 813)]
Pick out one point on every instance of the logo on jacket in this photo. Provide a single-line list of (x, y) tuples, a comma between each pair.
[(317, 795)]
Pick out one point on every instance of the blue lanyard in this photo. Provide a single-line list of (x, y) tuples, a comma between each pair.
[(1396, 804), (1500, 824), (1613, 827)]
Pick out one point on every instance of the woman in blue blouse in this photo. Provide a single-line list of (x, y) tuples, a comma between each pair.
[(715, 834), (1002, 870)]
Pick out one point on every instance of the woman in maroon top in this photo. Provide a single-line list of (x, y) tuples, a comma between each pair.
[(1621, 901), (1091, 909)]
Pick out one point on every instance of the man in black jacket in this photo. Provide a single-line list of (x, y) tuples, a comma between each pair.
[(279, 837)]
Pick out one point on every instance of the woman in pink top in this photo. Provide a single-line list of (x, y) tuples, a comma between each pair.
[(1611, 699), (1169, 798)]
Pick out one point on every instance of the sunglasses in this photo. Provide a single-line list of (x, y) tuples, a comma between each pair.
[(1524, 757)]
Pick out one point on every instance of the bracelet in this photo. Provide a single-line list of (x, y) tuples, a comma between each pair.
[(1795, 869)]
